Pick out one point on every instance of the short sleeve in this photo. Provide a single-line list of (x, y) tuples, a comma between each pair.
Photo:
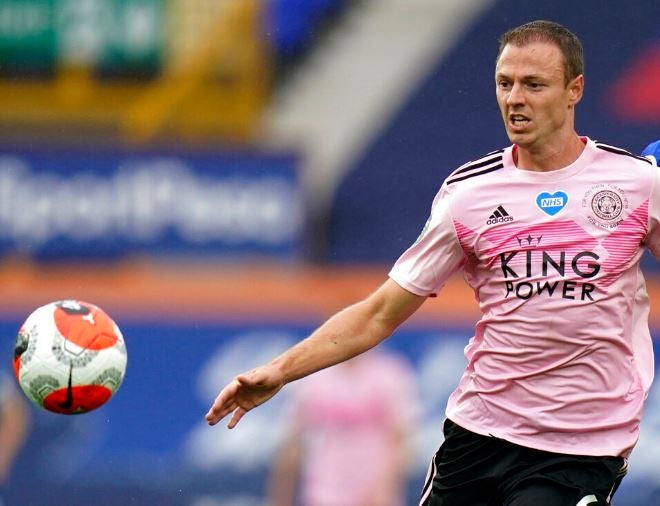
[(653, 236), (427, 265)]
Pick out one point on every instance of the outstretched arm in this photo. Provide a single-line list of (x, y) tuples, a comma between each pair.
[(348, 333)]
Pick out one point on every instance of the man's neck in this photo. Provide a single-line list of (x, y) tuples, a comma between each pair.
[(549, 157)]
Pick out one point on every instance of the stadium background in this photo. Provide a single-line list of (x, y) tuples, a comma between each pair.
[(222, 175)]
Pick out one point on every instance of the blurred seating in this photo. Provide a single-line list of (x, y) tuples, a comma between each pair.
[(144, 71), (292, 26)]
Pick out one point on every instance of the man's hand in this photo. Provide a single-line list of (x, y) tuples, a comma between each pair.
[(246, 391)]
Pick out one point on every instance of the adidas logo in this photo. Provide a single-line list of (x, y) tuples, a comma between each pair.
[(499, 216)]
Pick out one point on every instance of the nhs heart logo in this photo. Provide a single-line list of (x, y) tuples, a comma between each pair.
[(551, 203)]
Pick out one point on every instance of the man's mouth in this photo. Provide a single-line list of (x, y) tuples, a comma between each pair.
[(518, 121)]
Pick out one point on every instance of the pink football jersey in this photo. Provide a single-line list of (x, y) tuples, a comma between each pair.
[(562, 358)]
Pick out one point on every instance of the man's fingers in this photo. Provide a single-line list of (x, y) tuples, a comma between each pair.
[(224, 403), (213, 418), (245, 392), (217, 412), (238, 414)]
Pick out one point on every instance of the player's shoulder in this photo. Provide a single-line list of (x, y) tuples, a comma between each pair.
[(475, 169), (619, 155)]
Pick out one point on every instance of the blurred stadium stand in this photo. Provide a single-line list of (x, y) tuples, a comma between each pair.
[(138, 71), (221, 175)]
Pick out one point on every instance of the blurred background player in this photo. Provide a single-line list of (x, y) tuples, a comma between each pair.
[(14, 424), (348, 439)]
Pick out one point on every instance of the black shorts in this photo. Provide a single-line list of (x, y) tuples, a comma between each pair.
[(474, 470)]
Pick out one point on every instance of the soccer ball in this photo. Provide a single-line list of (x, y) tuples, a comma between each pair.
[(69, 357)]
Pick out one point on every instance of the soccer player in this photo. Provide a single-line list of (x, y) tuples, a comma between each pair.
[(549, 233), (15, 421), (347, 441)]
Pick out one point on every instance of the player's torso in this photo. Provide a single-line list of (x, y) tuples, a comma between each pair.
[(553, 258), (566, 235)]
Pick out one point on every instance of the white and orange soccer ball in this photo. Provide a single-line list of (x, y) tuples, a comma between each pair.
[(69, 357)]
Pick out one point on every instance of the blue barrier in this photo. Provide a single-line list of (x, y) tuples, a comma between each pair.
[(150, 444), (63, 204)]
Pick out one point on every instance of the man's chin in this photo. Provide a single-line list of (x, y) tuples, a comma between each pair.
[(522, 139)]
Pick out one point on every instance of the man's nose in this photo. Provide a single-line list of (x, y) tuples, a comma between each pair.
[(516, 95)]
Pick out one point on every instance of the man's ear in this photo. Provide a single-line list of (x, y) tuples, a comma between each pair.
[(576, 89)]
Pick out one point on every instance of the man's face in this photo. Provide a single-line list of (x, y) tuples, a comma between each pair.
[(534, 100)]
